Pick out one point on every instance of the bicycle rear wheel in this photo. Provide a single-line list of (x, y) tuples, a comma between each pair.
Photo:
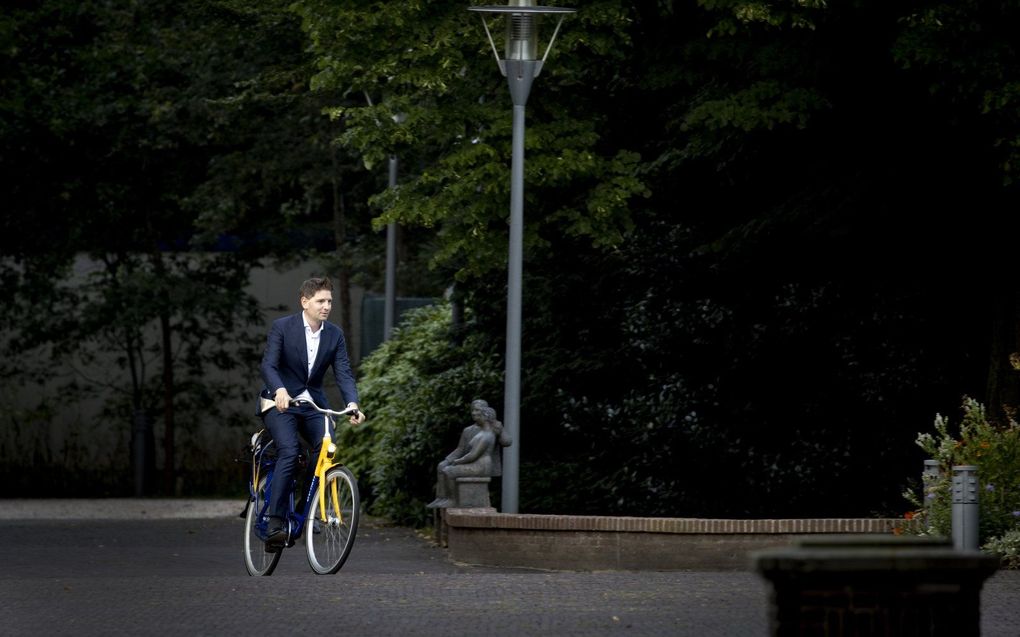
[(328, 541), (256, 559)]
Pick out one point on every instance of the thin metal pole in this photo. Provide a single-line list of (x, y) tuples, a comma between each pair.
[(391, 263), (512, 398)]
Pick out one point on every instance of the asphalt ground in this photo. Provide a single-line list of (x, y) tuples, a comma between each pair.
[(134, 567)]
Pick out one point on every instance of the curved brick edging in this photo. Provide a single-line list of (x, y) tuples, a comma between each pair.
[(475, 518), (570, 542)]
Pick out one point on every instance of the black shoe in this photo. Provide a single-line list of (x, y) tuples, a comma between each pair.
[(276, 535)]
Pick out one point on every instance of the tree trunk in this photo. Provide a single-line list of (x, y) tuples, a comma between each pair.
[(142, 442), (166, 346), (170, 460)]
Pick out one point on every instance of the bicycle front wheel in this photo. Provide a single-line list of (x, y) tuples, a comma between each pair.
[(329, 540), (256, 559)]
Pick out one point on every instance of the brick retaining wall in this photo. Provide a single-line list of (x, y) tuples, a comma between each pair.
[(571, 542)]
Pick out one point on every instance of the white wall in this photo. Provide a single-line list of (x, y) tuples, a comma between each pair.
[(42, 425)]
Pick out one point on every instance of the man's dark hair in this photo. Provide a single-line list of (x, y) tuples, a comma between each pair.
[(313, 285)]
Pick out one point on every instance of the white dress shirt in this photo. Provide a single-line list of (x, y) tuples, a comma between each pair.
[(312, 339)]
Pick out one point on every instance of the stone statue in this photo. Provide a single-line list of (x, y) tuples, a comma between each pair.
[(478, 454)]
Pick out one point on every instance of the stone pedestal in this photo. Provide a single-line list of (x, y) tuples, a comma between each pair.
[(472, 492), (874, 585)]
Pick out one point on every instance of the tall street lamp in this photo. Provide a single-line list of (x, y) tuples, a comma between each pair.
[(520, 65), (390, 299), (390, 307), (390, 302)]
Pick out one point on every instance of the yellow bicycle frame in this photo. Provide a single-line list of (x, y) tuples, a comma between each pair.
[(323, 464)]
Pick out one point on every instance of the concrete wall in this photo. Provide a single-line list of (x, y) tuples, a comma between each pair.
[(593, 543)]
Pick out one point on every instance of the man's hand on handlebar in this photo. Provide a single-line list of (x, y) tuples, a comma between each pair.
[(358, 416), (282, 399)]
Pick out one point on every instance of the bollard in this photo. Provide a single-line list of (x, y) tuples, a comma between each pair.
[(965, 508), (932, 472)]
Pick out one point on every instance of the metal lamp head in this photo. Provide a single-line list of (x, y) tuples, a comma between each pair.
[(521, 31)]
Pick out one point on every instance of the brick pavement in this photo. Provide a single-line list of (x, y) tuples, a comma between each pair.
[(141, 575)]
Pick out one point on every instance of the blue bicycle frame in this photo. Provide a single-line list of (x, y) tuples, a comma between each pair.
[(265, 464)]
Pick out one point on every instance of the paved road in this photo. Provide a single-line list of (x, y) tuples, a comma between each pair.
[(185, 576)]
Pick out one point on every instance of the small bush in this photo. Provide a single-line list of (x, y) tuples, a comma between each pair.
[(1007, 548), (995, 450)]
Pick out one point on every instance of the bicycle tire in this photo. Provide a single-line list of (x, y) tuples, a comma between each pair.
[(328, 543), (257, 561)]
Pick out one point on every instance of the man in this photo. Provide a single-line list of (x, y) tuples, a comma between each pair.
[(299, 349)]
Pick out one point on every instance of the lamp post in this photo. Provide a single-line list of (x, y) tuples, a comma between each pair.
[(520, 66), (390, 302), (390, 292)]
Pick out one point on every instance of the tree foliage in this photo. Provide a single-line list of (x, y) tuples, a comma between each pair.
[(762, 238), (147, 189), (433, 95), (810, 271)]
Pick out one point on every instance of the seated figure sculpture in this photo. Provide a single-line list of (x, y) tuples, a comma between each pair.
[(476, 455)]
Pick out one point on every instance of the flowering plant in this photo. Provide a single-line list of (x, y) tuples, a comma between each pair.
[(995, 450), (1007, 548)]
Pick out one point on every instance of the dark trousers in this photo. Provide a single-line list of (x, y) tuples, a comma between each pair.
[(287, 430)]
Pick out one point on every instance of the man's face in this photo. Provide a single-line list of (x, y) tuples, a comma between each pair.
[(317, 308)]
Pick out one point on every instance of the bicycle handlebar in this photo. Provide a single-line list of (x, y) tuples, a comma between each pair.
[(331, 412)]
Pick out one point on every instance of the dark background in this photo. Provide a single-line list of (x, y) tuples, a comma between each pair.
[(794, 242)]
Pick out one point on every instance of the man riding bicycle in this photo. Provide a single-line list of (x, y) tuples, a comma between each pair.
[(299, 350)]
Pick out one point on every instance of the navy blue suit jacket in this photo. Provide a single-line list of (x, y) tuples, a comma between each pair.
[(285, 362)]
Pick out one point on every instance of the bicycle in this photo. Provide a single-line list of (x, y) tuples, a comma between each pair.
[(331, 504)]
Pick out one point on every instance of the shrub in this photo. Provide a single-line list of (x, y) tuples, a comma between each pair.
[(1006, 547), (419, 386), (995, 450)]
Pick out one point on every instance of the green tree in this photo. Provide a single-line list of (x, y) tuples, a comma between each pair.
[(429, 64), (775, 310), (124, 133)]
